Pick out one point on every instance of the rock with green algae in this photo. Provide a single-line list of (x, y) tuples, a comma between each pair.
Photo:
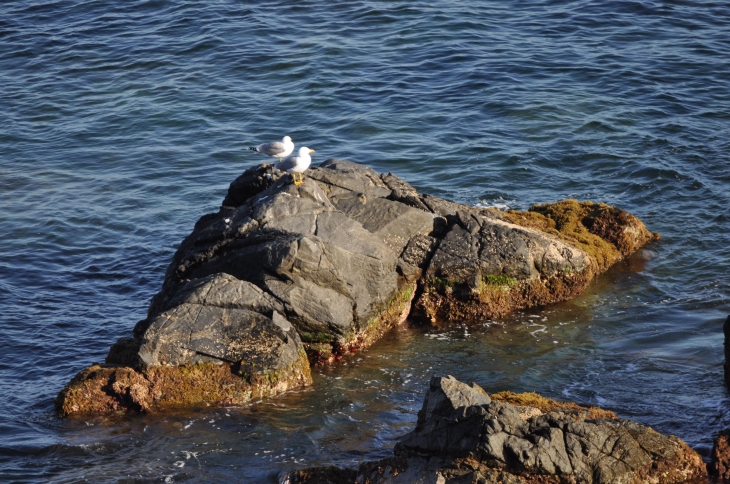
[(490, 263), (338, 260), (104, 389), (464, 436)]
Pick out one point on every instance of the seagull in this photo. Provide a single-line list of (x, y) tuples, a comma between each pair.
[(296, 164), (276, 149)]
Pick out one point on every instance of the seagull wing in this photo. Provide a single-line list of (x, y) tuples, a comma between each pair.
[(287, 163), (272, 149)]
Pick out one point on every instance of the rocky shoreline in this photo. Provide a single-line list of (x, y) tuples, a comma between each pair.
[(284, 277)]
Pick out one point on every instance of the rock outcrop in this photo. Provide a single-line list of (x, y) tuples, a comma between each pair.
[(464, 436), (283, 276)]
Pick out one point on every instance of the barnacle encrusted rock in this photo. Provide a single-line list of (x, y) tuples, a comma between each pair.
[(325, 268)]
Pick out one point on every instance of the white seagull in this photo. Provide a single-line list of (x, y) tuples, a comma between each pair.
[(296, 164), (276, 149)]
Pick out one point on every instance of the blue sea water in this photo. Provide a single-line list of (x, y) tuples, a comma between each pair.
[(123, 122)]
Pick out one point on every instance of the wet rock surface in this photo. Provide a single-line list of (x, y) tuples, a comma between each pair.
[(720, 458), (284, 275), (464, 436)]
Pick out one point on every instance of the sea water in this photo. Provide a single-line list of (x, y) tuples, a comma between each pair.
[(123, 122)]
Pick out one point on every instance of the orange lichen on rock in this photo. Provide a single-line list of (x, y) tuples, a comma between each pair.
[(545, 405), (460, 303), (492, 262), (606, 233), (103, 389)]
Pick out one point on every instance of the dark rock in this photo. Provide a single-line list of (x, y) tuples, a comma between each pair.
[(331, 274), (322, 475), (490, 263), (211, 325), (124, 352), (416, 256), (392, 222), (449, 398), (463, 436), (252, 182), (341, 177), (485, 246)]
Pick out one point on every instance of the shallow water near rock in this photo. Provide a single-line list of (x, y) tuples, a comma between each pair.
[(126, 121)]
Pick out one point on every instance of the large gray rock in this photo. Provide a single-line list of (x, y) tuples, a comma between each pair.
[(478, 245), (329, 273), (283, 272), (324, 256), (335, 251), (462, 436), (221, 319)]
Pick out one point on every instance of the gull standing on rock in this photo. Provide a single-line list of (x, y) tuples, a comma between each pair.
[(296, 164), (276, 149)]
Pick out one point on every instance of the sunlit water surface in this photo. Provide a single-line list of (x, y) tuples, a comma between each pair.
[(123, 122)]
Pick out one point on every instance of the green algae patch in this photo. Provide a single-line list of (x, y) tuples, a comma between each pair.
[(316, 337), (606, 233), (501, 280), (494, 301), (545, 405), (104, 389), (600, 233), (442, 284)]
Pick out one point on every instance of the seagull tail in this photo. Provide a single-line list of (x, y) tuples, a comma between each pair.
[(253, 148)]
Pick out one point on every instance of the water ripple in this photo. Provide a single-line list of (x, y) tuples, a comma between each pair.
[(125, 121)]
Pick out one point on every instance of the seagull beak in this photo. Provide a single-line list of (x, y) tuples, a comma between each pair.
[(311, 150)]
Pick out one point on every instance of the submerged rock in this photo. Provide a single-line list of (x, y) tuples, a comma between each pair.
[(464, 436), (283, 276)]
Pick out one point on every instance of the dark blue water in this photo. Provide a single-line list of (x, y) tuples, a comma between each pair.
[(123, 122)]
